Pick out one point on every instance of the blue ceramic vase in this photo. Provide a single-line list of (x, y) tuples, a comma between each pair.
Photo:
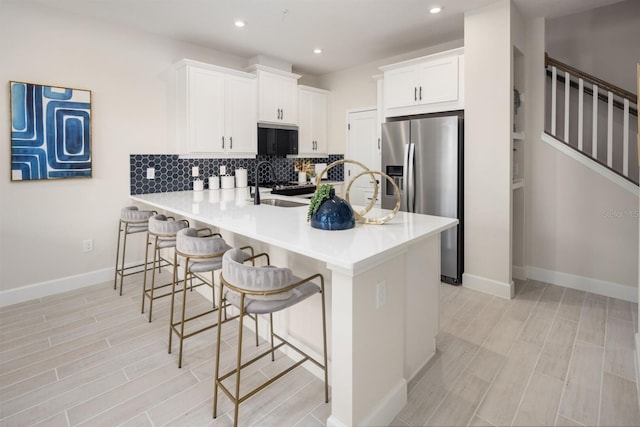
[(334, 214)]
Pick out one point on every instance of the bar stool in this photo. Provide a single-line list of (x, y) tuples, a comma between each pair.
[(198, 254), (262, 290), (132, 221), (161, 234)]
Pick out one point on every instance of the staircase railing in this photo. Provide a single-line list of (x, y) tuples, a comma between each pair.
[(599, 91)]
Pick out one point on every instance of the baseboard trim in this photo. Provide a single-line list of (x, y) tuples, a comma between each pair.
[(488, 286), (385, 413), (56, 286), (587, 284)]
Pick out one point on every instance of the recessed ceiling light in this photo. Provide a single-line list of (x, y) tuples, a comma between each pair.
[(435, 9), (239, 23), (317, 50)]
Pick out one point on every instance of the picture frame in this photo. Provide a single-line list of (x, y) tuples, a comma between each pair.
[(50, 132)]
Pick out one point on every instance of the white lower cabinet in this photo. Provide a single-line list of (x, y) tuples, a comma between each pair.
[(216, 110)]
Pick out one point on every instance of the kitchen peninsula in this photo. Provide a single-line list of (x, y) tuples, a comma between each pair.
[(382, 290)]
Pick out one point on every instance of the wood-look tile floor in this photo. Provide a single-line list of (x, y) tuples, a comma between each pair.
[(551, 356)]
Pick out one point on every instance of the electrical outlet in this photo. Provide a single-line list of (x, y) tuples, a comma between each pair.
[(151, 173), (195, 171), (381, 294), (223, 170), (87, 245)]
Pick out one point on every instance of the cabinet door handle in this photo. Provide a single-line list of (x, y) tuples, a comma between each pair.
[(231, 143), (378, 143), (415, 93), (420, 93), (223, 142)]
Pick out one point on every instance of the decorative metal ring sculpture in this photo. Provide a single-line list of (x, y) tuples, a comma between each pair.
[(360, 216)]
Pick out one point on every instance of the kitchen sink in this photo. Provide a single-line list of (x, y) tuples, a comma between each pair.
[(282, 203)]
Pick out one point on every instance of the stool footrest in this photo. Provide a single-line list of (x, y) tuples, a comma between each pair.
[(266, 383)]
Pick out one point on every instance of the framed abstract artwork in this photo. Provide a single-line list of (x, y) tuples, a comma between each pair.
[(50, 132)]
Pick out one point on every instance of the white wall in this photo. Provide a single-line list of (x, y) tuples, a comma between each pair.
[(582, 230), (603, 42), (487, 42), (43, 223)]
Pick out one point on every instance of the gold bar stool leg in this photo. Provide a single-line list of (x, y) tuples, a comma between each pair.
[(156, 255), (173, 298), (239, 363), (115, 277), (273, 356), (217, 367), (324, 341), (184, 307), (144, 277), (124, 251)]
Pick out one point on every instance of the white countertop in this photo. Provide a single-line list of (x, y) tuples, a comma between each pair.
[(350, 250)]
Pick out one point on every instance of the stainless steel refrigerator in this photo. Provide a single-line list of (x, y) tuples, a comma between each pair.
[(424, 156)]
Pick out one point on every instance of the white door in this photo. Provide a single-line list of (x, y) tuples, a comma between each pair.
[(362, 146)]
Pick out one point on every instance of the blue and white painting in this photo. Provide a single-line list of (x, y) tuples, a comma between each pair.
[(50, 132)]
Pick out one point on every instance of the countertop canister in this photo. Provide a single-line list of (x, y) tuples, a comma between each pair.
[(227, 181), (241, 178), (214, 182)]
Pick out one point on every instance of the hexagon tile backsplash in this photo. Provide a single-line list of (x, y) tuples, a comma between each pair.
[(174, 174)]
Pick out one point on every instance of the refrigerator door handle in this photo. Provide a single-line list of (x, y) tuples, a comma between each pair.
[(404, 189), (410, 183)]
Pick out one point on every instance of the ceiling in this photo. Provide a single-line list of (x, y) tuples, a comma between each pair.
[(350, 32)]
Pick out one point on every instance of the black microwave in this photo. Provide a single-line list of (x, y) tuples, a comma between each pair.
[(277, 140)]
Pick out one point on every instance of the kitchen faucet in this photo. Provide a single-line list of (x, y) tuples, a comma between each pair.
[(256, 195)]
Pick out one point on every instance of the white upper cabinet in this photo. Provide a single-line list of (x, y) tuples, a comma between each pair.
[(240, 118), (425, 85), (277, 95), (312, 137), (216, 110)]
